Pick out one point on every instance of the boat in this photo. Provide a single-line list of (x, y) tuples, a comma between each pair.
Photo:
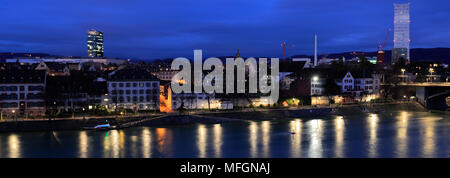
[(101, 127)]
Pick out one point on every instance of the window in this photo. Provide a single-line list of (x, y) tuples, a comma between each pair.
[(128, 84), (128, 92), (134, 84), (147, 84), (120, 84), (141, 84)]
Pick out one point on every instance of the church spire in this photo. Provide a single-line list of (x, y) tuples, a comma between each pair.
[(238, 55)]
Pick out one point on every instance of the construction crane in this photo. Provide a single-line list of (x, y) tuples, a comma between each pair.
[(285, 45), (380, 53)]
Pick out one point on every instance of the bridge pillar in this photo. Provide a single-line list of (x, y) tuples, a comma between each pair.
[(422, 95)]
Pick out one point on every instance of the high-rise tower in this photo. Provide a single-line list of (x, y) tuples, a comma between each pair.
[(401, 33), (95, 44)]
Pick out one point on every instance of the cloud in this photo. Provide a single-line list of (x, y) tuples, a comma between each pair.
[(171, 28)]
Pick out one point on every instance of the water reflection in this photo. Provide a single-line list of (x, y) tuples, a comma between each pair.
[(165, 140), (201, 140), (296, 140), (339, 128), (373, 129), (428, 136), (83, 145), (133, 144), (402, 134), (14, 146), (115, 143), (146, 142), (122, 142), (253, 139), (265, 127), (315, 132), (111, 144), (218, 140)]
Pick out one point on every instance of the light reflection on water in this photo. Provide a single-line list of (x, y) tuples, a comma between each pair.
[(14, 146), (296, 140), (202, 140), (373, 131), (396, 134), (429, 137), (315, 128), (339, 124), (402, 134)]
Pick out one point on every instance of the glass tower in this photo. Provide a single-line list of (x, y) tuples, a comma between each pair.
[(95, 44), (401, 33)]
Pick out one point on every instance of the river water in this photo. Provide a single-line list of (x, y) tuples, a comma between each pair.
[(397, 133)]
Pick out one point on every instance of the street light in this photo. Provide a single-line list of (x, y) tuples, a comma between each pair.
[(403, 74), (315, 78), (431, 74), (14, 114)]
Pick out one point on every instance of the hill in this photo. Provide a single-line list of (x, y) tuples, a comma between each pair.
[(417, 54)]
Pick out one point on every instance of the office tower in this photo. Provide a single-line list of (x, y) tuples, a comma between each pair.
[(401, 33), (95, 44)]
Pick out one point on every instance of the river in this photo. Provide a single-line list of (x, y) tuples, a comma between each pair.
[(396, 133)]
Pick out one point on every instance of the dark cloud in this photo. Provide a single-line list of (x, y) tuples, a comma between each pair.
[(171, 28)]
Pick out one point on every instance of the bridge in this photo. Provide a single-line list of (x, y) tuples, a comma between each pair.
[(432, 95)]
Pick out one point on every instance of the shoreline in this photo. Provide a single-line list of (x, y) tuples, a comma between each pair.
[(200, 117)]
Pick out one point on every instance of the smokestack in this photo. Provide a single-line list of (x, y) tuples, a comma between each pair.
[(315, 50)]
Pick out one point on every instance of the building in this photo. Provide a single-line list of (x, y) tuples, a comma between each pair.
[(347, 83), (133, 89), (360, 84), (401, 33), (317, 86), (53, 68), (95, 44), (166, 75), (22, 93), (80, 91)]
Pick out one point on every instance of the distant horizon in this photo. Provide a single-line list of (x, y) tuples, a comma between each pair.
[(231, 54)]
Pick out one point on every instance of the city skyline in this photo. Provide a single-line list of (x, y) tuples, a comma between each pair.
[(147, 32)]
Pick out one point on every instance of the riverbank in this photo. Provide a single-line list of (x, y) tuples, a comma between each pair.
[(202, 117)]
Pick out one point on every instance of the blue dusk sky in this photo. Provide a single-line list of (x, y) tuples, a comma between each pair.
[(149, 29)]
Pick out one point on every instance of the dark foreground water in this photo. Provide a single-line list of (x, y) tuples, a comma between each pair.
[(390, 134)]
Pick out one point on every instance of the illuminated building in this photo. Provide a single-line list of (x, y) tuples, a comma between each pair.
[(401, 33), (95, 44), (22, 92), (134, 89)]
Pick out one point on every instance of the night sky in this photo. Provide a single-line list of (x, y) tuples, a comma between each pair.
[(149, 29)]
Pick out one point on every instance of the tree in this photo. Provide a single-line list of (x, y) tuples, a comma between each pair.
[(400, 64), (330, 87), (365, 64)]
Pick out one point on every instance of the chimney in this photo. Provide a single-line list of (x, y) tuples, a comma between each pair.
[(315, 50)]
